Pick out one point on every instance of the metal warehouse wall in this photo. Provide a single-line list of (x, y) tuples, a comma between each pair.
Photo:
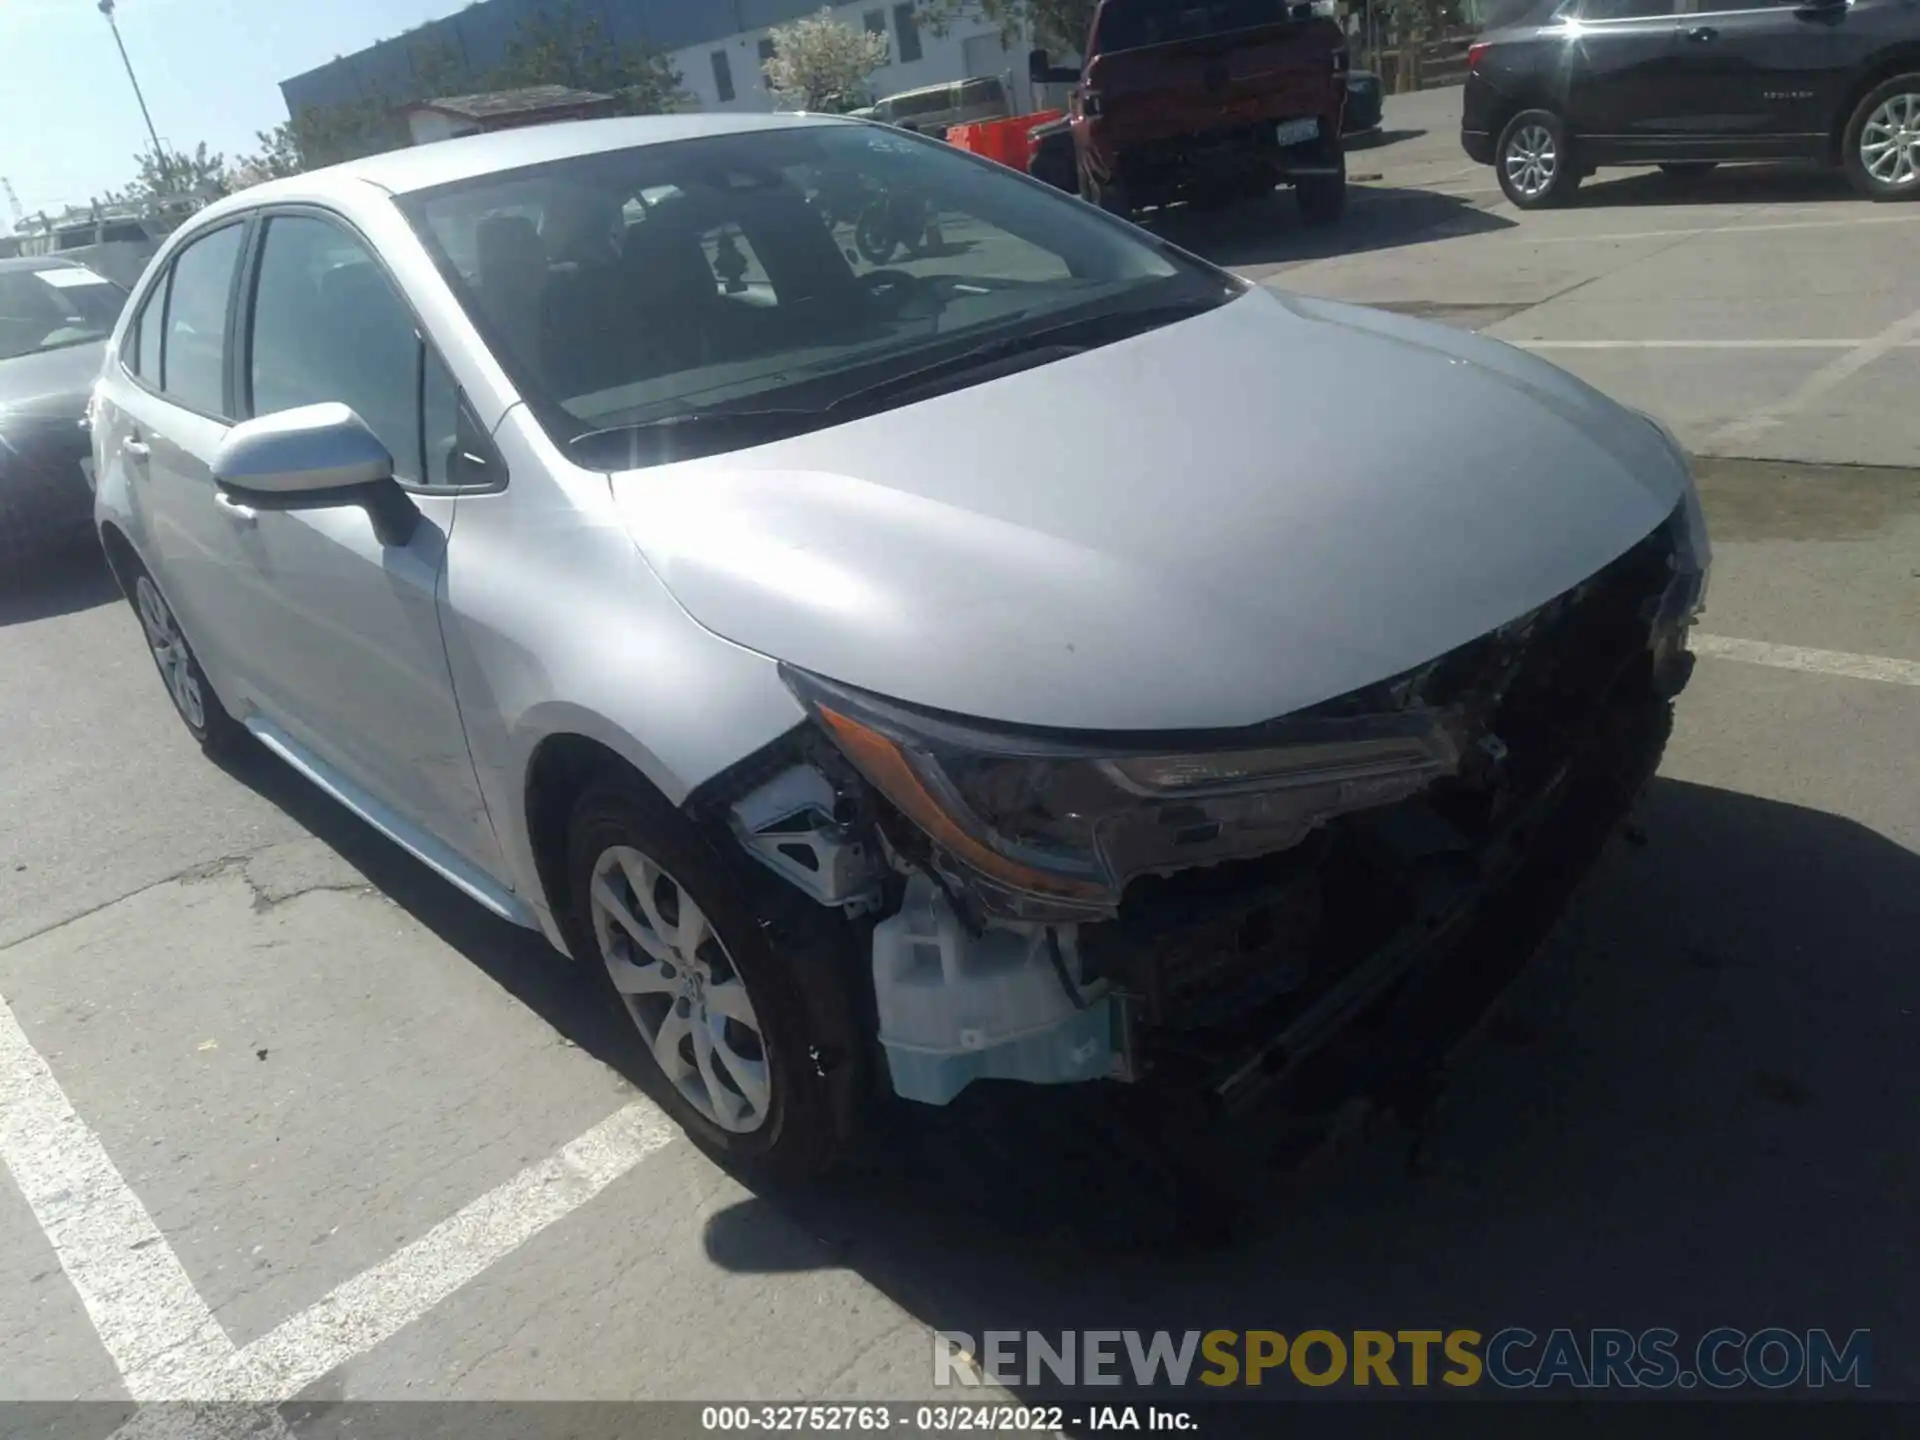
[(480, 33)]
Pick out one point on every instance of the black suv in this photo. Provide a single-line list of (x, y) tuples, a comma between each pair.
[(1561, 87)]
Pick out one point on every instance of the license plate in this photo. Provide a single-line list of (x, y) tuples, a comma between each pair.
[(1295, 132), (86, 469)]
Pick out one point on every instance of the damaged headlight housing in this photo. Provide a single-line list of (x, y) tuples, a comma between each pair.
[(1042, 825)]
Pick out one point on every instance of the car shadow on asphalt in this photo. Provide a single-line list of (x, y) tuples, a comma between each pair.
[(520, 961), (63, 581), (1687, 1112), (1378, 139), (1725, 185), (1269, 231)]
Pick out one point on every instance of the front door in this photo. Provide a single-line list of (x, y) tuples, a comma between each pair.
[(1759, 80), (1618, 70), (350, 660)]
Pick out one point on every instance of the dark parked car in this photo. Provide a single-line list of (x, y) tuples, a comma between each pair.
[(55, 317), (1570, 85)]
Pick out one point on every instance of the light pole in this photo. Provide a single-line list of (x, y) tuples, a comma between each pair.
[(159, 151)]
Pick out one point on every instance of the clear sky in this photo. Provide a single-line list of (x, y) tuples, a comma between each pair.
[(211, 70)]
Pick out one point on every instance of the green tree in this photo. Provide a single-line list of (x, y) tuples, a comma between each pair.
[(562, 48), (278, 155), (820, 64), (1055, 25)]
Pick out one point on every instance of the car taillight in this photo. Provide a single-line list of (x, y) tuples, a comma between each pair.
[(1474, 52)]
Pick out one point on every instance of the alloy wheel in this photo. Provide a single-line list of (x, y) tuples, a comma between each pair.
[(1532, 160), (1890, 141), (682, 989), (170, 653)]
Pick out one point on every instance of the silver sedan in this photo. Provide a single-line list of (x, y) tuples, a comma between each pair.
[(1040, 658)]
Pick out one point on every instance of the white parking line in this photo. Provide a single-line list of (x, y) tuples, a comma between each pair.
[(156, 1329), (378, 1303), (162, 1337), (1731, 227), (1828, 377), (1700, 344), (1814, 662)]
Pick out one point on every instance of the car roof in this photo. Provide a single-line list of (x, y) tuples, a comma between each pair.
[(444, 162)]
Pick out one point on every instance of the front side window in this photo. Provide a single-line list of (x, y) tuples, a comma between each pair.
[(193, 359), (329, 326), (150, 329), (1627, 9), (780, 269), (55, 307), (1133, 24)]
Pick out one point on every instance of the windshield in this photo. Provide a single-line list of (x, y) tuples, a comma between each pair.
[(55, 307), (1131, 24), (775, 269)]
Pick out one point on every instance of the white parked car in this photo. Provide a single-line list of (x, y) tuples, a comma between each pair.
[(1030, 663)]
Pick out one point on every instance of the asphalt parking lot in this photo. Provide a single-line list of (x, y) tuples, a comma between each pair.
[(287, 1117)]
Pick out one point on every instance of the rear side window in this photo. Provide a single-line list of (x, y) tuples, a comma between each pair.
[(1628, 9), (329, 326), (193, 362), (1133, 24), (145, 350)]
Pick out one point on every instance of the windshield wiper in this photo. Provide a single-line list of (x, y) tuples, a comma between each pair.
[(698, 432), (704, 432), (1069, 337)]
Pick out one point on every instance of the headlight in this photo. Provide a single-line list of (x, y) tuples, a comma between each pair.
[(1695, 551), (1052, 825)]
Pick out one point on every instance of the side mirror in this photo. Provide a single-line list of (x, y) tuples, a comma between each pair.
[(315, 457), (1041, 72)]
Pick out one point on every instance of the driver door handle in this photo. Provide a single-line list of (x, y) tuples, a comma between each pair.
[(138, 449), (234, 510), (1703, 32)]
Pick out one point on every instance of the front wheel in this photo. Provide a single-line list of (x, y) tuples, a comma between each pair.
[(1534, 162), (1882, 144), (874, 236), (731, 1030)]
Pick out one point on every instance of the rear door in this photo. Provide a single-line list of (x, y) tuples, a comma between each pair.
[(171, 406), (1618, 67), (1759, 79)]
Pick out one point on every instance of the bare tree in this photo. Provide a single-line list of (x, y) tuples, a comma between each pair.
[(820, 64)]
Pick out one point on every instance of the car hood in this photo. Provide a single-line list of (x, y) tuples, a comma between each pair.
[(51, 383), (1212, 524)]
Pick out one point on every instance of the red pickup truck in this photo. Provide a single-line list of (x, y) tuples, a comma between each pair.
[(1209, 101)]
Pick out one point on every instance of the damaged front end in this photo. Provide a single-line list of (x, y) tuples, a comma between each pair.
[(1215, 910)]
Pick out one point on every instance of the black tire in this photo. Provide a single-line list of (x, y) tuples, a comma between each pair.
[(1893, 98), (873, 234), (1111, 196), (1323, 198), (1535, 165), (800, 997), (194, 698), (1689, 169)]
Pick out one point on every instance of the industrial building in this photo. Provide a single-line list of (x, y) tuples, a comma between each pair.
[(718, 47)]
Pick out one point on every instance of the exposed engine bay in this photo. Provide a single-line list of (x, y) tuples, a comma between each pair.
[(1211, 911)]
